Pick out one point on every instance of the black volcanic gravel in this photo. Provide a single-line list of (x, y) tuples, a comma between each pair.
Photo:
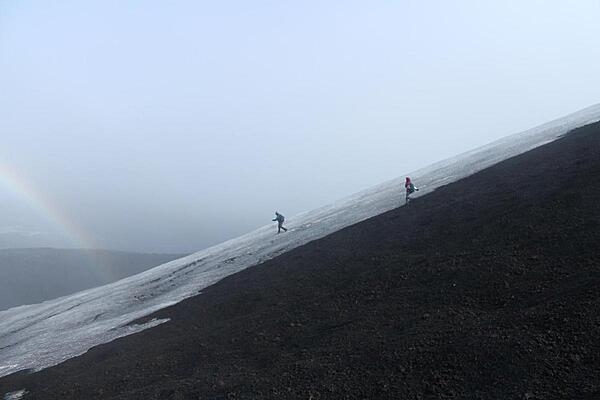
[(487, 288)]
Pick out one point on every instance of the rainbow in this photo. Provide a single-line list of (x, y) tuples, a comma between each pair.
[(18, 186)]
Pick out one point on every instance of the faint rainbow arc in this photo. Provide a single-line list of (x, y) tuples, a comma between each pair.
[(20, 187)]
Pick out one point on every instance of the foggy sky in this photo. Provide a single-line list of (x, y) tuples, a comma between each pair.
[(170, 126)]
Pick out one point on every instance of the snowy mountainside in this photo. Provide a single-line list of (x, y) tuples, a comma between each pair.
[(41, 335)]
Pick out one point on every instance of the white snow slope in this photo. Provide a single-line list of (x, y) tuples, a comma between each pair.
[(41, 335)]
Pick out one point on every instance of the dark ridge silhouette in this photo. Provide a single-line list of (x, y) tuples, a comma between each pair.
[(29, 276), (486, 288)]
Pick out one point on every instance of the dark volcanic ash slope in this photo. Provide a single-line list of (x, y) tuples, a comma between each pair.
[(485, 289)]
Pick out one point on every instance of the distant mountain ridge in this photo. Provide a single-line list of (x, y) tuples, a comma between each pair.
[(33, 275)]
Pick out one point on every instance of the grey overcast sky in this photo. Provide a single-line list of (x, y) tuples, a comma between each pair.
[(168, 126)]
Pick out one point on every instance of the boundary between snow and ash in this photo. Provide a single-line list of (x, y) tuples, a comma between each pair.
[(41, 335)]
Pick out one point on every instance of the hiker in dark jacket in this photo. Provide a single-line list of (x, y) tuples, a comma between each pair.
[(410, 188), (279, 218)]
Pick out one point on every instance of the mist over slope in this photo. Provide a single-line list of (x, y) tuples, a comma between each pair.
[(39, 336), (33, 275), (485, 288)]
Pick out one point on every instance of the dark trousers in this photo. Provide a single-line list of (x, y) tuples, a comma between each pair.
[(280, 227)]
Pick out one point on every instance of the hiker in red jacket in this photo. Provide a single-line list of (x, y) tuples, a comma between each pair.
[(410, 188)]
